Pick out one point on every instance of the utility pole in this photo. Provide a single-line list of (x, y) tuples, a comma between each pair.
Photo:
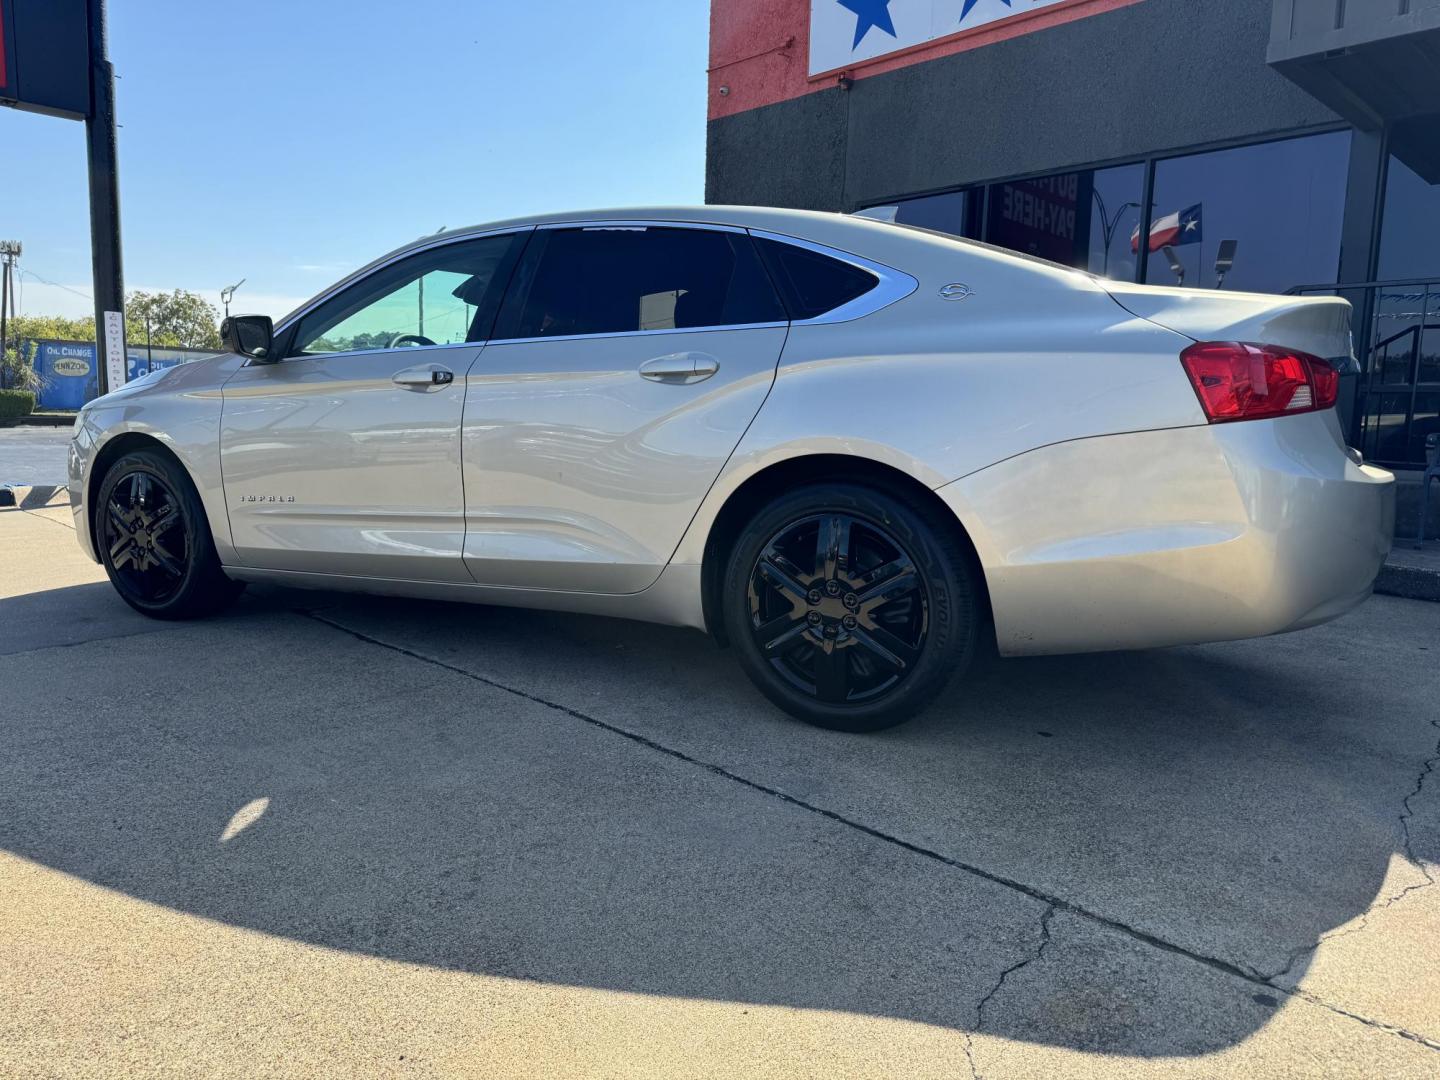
[(9, 251), (100, 140)]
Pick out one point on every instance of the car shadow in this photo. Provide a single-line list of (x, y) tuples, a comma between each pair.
[(554, 799)]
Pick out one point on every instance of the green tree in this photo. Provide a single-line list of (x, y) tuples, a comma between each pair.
[(178, 319)]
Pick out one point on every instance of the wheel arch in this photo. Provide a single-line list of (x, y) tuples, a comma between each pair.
[(114, 449), (742, 504)]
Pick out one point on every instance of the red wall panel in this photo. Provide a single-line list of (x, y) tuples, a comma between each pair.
[(760, 49)]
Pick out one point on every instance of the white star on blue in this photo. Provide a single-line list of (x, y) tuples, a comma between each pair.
[(871, 13), (970, 4)]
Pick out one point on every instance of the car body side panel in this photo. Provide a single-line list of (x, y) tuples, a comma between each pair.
[(940, 390), (332, 468), (1175, 537), (180, 409), (582, 476)]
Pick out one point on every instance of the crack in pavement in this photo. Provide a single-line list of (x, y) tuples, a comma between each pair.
[(1045, 918), (1407, 844), (1056, 903)]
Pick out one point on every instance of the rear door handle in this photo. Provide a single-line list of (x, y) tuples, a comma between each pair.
[(683, 367), (426, 377)]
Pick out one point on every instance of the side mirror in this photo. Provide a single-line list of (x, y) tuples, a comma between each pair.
[(250, 335)]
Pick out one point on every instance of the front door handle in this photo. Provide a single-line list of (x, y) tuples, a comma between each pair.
[(426, 377), (683, 367)]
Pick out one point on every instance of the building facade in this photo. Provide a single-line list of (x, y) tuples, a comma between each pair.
[(1265, 145)]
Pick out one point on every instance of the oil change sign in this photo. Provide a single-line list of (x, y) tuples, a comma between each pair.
[(846, 32)]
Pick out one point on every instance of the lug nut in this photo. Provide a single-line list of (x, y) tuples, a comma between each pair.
[(814, 596), (814, 617), (833, 588), (850, 622), (852, 600)]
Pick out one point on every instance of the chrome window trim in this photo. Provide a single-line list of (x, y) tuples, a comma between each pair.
[(619, 225), (639, 333), (894, 286), (365, 273)]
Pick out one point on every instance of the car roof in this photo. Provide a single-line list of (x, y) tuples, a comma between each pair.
[(882, 242)]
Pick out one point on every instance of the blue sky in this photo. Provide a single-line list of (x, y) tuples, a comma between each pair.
[(288, 142)]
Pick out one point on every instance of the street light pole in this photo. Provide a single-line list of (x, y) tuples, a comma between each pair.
[(228, 293), (1109, 226), (105, 205)]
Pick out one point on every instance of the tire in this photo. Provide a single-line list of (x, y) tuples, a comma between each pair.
[(154, 540), (849, 608)]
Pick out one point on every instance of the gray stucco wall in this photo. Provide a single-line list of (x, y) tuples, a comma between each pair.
[(1155, 76)]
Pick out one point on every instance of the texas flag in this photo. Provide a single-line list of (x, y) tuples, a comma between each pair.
[(1183, 227)]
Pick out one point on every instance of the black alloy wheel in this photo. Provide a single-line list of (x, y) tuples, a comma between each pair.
[(153, 538), (838, 607), (849, 608), (144, 542)]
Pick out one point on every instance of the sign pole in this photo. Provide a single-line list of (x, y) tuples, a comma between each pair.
[(105, 209)]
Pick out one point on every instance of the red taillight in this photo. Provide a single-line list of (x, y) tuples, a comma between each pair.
[(1239, 381)]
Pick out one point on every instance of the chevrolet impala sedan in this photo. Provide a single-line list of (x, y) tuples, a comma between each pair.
[(850, 450)]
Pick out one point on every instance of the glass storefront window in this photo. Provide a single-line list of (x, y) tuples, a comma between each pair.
[(1282, 202), (1082, 219), (1410, 227), (1404, 402), (954, 212)]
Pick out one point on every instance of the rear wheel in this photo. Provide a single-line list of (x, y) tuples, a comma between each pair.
[(155, 542), (849, 608)]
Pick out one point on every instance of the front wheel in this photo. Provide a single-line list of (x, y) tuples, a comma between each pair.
[(155, 541), (849, 608)]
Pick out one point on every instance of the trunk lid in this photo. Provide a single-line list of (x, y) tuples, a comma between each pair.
[(1318, 325)]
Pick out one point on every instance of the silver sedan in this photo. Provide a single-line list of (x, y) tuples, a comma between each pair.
[(850, 450)]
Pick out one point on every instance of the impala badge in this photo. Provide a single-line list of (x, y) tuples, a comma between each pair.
[(957, 291)]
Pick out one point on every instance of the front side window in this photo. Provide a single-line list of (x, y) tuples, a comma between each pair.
[(446, 296), (622, 279)]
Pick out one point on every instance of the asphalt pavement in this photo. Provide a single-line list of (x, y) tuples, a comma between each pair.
[(340, 835), (33, 455)]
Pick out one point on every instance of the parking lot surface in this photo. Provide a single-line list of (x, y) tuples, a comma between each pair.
[(33, 455), (340, 835)]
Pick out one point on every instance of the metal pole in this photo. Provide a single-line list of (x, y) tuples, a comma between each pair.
[(1142, 255), (4, 316), (104, 193)]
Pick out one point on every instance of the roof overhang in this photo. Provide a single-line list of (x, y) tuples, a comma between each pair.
[(1374, 63)]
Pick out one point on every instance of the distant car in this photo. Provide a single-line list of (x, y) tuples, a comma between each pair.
[(847, 448)]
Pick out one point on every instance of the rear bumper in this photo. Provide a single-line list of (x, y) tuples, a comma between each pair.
[(1177, 537)]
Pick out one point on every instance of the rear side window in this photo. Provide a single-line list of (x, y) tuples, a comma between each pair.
[(813, 284), (620, 279)]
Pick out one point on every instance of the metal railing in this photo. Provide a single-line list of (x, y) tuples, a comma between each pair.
[(1397, 397)]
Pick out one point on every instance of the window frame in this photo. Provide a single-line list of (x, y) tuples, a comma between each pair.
[(894, 285)]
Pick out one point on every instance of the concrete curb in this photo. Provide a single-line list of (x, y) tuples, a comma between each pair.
[(34, 497), (53, 420), (1414, 575)]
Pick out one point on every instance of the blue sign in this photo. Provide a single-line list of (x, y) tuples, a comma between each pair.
[(68, 369), (68, 375)]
